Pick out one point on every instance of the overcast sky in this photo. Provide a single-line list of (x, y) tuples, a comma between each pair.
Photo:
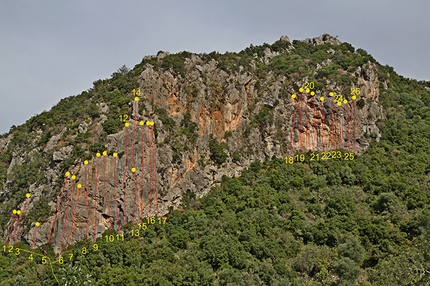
[(52, 49)]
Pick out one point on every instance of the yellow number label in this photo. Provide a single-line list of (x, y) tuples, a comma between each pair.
[(299, 157), (17, 251), (84, 250), (123, 117), (61, 260), (95, 247), (310, 85), (338, 98), (333, 154), (151, 220), (142, 226), (70, 256), (348, 156), (135, 232), (355, 90), (136, 91), (317, 157), (44, 259), (111, 238), (31, 257)]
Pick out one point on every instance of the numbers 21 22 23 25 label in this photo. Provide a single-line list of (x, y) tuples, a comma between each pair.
[(323, 156)]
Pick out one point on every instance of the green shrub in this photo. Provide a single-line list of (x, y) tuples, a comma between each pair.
[(22, 176), (175, 62), (236, 157), (347, 271), (263, 118), (186, 122), (118, 102), (218, 154), (168, 123), (111, 125), (97, 147), (82, 137), (78, 152), (3, 174), (353, 250), (40, 212)]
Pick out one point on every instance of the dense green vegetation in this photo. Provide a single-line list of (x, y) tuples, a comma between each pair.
[(360, 222), (325, 223)]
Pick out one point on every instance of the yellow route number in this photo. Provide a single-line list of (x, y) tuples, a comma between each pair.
[(112, 238), (338, 98), (123, 117), (136, 91), (355, 90), (310, 85)]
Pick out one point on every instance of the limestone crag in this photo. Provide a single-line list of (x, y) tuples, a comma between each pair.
[(247, 114), (323, 39)]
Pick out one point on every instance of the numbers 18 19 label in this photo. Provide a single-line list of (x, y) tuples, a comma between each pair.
[(323, 156)]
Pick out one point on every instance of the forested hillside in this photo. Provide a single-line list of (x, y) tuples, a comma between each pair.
[(355, 219)]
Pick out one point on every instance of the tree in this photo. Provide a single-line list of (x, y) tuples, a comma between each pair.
[(353, 250), (123, 70), (217, 152), (111, 125), (347, 271)]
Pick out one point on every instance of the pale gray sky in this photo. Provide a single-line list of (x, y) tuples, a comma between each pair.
[(52, 49)]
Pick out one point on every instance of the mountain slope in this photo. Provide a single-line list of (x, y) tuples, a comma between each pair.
[(213, 115)]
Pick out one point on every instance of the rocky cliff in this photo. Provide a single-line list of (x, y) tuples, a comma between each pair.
[(212, 115)]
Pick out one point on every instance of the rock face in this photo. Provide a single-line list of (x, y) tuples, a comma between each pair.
[(62, 153), (323, 39), (207, 113)]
